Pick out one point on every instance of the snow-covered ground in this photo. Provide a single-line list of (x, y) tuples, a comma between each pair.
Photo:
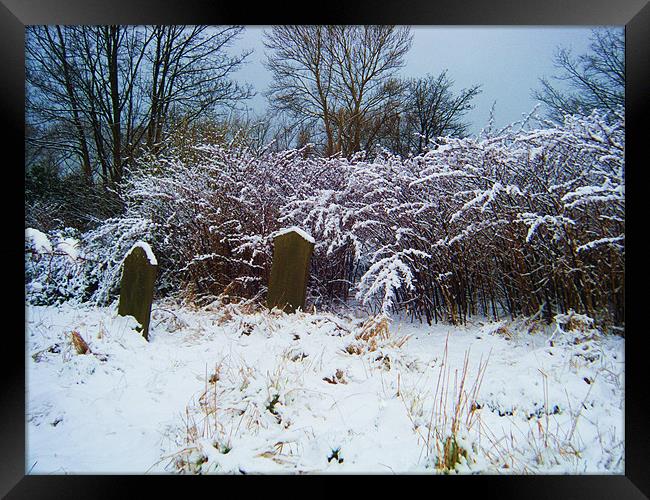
[(226, 390)]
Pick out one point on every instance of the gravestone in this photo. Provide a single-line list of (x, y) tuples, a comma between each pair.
[(136, 289), (292, 249)]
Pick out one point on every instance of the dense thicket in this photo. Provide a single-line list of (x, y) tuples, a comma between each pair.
[(518, 221)]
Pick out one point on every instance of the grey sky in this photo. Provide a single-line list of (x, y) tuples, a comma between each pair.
[(506, 60)]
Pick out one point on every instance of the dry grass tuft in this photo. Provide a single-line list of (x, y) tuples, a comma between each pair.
[(226, 316), (355, 348), (375, 332), (338, 378), (79, 343), (376, 328), (454, 410), (572, 322), (505, 332), (452, 453)]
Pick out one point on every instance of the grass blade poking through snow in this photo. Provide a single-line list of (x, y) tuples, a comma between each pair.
[(444, 444)]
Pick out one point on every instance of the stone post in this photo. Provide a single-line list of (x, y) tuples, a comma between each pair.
[(292, 249), (136, 289)]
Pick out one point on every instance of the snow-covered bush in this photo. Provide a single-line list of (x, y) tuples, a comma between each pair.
[(54, 273), (211, 218), (511, 222), (506, 222), (65, 265), (105, 248)]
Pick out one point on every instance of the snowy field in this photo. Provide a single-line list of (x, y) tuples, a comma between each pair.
[(224, 389)]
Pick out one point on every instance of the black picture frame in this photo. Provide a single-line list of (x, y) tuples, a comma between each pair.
[(16, 14)]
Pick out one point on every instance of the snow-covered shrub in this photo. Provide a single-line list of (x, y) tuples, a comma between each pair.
[(212, 218), (66, 265), (104, 250), (507, 222), (54, 273), (511, 222)]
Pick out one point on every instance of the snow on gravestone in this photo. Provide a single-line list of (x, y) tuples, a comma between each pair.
[(136, 289), (292, 249)]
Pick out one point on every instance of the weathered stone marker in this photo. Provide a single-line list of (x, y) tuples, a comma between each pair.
[(136, 289), (292, 249)]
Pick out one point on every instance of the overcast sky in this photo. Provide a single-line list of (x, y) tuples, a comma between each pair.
[(506, 61)]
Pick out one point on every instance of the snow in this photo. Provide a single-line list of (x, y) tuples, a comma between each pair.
[(39, 240), (225, 390), (147, 249), (599, 242), (69, 247), (295, 229)]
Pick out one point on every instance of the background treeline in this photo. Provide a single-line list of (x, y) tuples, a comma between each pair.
[(134, 133)]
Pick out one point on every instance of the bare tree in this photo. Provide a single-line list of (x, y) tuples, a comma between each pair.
[(431, 110), (336, 76), (115, 90), (364, 60), (190, 75), (52, 97), (302, 75), (595, 80)]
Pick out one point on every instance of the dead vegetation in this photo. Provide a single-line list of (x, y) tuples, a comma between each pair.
[(79, 343), (374, 333), (337, 378)]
